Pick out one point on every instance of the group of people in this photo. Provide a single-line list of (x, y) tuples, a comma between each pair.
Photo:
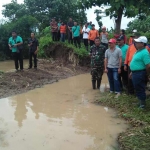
[(77, 33), (15, 44), (126, 65)]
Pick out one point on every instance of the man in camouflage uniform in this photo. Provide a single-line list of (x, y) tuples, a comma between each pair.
[(97, 53)]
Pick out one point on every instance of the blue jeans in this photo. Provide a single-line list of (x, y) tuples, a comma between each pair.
[(138, 79), (62, 35), (113, 78)]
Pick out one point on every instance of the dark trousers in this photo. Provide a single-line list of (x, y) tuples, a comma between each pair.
[(54, 36), (86, 43), (91, 43), (138, 79), (113, 78), (62, 37), (30, 60), (105, 44), (77, 41), (70, 40), (58, 36), (18, 59), (130, 83), (123, 78)]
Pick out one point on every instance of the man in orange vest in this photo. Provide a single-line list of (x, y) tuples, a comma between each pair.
[(131, 51), (93, 34), (63, 31)]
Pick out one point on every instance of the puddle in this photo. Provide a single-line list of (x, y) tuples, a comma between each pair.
[(8, 66), (60, 116)]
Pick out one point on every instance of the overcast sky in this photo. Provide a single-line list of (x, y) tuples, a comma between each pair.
[(90, 15)]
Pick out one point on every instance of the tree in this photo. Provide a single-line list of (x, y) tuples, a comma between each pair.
[(140, 25), (44, 10), (119, 8)]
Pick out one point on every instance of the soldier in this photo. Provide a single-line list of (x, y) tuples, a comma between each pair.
[(97, 54)]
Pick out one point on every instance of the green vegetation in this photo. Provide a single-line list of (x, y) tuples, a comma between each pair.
[(118, 8), (46, 43), (137, 136)]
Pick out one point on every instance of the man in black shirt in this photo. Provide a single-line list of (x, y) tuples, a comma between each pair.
[(33, 49), (70, 24)]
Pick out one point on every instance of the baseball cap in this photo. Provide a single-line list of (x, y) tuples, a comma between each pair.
[(141, 39), (112, 41), (93, 25), (120, 38), (103, 27)]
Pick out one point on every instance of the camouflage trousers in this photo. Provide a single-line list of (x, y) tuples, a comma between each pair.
[(97, 73)]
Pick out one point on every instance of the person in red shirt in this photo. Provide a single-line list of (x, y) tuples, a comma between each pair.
[(63, 28)]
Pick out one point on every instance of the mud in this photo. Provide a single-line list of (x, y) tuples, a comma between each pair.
[(59, 116), (49, 71)]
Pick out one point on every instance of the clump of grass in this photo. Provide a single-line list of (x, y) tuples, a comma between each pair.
[(138, 136)]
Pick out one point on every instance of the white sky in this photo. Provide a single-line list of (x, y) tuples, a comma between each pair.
[(90, 15)]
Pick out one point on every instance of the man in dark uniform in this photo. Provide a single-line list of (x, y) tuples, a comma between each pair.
[(97, 53), (33, 49), (70, 24)]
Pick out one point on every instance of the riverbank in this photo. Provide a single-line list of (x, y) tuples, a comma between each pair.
[(49, 71), (137, 137)]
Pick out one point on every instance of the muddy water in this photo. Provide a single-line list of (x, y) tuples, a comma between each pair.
[(8, 66), (60, 116)]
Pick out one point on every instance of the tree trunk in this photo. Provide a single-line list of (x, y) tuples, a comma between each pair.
[(118, 20)]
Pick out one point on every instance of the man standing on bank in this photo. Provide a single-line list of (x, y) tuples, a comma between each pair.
[(123, 76), (97, 53), (139, 64), (15, 45), (70, 24), (113, 63), (33, 49)]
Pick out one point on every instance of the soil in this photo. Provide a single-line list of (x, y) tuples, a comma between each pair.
[(12, 83), (56, 67)]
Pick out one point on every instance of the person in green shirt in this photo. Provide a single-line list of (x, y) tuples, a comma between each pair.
[(15, 45), (58, 34), (76, 34), (90, 25), (123, 76), (139, 64)]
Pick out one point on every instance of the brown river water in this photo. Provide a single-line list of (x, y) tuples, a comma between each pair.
[(59, 116)]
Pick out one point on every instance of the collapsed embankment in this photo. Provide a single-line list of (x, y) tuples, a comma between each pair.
[(61, 63)]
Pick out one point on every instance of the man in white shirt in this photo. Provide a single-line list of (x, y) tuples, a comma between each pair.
[(85, 32)]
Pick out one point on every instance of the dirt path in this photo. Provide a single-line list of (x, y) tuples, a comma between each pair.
[(12, 83)]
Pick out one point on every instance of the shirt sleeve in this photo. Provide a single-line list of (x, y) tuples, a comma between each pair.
[(106, 54), (120, 53), (146, 58)]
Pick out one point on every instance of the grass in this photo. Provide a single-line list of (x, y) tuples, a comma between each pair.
[(137, 137)]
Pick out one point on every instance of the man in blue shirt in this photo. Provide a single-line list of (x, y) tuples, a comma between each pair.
[(76, 34), (123, 76), (15, 45), (139, 64)]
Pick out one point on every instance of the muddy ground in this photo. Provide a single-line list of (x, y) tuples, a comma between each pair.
[(13, 83)]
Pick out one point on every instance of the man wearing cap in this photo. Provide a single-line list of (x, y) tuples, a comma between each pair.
[(140, 62), (113, 63), (54, 29), (123, 76), (131, 40), (85, 32), (92, 35), (104, 37)]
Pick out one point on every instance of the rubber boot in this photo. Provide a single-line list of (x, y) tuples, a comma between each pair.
[(98, 83), (94, 84)]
